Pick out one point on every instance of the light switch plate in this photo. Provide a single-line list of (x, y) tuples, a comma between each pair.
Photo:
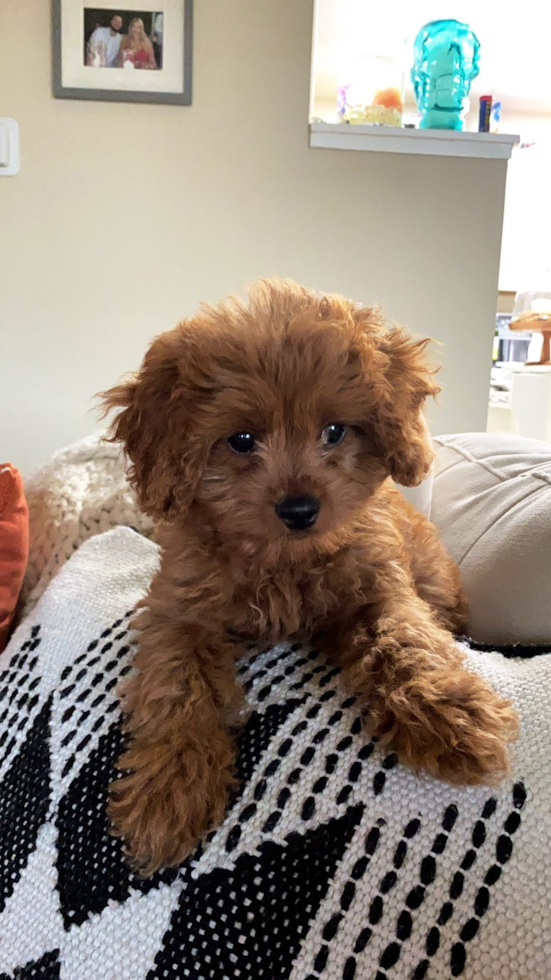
[(9, 147)]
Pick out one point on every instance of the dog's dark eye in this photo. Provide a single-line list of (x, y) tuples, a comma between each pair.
[(242, 442), (333, 434)]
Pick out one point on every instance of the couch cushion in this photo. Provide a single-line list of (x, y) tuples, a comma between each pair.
[(492, 505)]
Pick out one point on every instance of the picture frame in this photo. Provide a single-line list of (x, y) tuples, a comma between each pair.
[(100, 50)]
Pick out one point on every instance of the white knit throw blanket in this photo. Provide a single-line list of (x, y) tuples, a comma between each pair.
[(333, 861), (80, 492)]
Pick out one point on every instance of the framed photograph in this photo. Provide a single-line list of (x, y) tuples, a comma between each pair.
[(124, 52)]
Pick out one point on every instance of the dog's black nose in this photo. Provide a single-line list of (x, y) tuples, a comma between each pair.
[(298, 513)]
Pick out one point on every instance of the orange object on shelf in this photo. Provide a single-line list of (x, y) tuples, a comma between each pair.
[(390, 98)]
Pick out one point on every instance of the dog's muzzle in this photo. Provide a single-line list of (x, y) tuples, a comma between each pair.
[(298, 513)]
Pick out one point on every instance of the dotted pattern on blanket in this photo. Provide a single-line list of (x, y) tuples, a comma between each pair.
[(312, 876), (87, 692), (18, 695), (249, 921), (503, 852), (24, 801), (47, 968)]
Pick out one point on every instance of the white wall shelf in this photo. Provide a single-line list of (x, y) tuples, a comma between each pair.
[(428, 142)]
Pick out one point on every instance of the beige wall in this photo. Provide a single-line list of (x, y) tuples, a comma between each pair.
[(124, 217)]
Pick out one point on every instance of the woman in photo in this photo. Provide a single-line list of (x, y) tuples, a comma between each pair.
[(136, 48)]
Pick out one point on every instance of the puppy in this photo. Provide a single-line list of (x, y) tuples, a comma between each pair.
[(261, 438)]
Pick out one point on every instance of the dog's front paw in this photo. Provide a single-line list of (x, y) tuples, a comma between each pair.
[(168, 802), (458, 733)]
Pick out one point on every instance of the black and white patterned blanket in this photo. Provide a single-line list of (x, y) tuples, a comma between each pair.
[(333, 861)]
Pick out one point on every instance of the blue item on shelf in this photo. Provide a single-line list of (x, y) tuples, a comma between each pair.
[(446, 59), (484, 113)]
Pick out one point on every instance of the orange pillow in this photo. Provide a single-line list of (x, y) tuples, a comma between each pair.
[(14, 544)]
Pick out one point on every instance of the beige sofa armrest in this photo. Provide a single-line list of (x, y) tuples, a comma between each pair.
[(492, 505)]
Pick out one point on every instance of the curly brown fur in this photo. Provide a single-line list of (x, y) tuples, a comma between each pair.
[(370, 578)]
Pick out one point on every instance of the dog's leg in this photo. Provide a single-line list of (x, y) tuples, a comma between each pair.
[(181, 708), (435, 574), (421, 701)]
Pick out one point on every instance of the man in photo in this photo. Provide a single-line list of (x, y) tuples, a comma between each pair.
[(106, 40), (157, 38)]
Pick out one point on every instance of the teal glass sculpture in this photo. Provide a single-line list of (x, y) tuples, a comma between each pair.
[(446, 59)]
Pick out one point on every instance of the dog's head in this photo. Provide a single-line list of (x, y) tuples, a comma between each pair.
[(272, 423)]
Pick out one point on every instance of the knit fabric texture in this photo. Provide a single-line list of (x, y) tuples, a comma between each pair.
[(333, 861), (80, 492)]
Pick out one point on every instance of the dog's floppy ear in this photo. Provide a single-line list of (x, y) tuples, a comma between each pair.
[(402, 380), (152, 424)]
